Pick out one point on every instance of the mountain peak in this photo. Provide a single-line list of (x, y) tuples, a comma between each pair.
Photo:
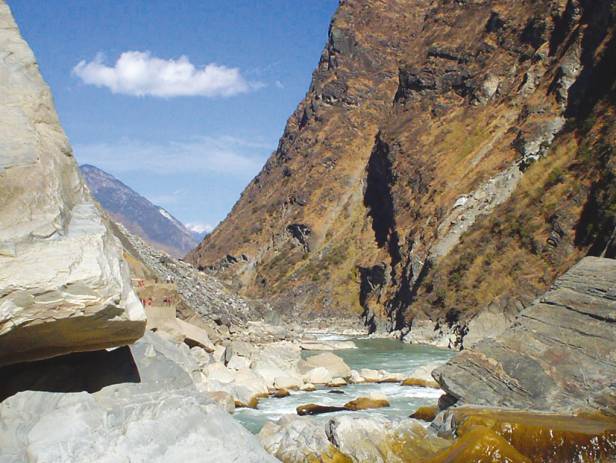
[(152, 223)]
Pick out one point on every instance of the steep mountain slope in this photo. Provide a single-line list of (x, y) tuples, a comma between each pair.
[(152, 223), (449, 161)]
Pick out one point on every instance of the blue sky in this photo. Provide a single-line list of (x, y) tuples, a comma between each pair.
[(181, 100)]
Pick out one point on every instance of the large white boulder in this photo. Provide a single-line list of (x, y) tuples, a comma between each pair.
[(379, 439), (334, 364), (244, 384), (248, 388), (357, 439), (297, 439), (318, 375), (277, 363), (237, 362), (63, 284)]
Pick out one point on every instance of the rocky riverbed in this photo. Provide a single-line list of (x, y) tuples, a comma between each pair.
[(378, 368)]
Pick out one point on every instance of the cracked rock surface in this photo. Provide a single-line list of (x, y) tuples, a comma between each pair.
[(559, 355)]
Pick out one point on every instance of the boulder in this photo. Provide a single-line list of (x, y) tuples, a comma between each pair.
[(337, 382), (160, 426), (481, 444), (344, 438), (239, 348), (297, 439), (308, 387), (238, 363), (319, 375), (370, 376), (278, 364), (544, 437), (247, 388), (224, 399), (356, 378), (365, 403), (280, 393), (195, 336), (316, 409), (425, 413), (334, 364), (64, 286), (557, 356), (179, 330), (379, 439), (380, 376), (422, 376), (161, 418)]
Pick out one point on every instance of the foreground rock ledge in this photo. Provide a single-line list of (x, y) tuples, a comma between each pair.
[(558, 356), (487, 434), (150, 411), (63, 284)]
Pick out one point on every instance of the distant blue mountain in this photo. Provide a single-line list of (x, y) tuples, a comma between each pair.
[(152, 223)]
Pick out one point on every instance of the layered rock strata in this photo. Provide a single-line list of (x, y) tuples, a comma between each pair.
[(557, 356)]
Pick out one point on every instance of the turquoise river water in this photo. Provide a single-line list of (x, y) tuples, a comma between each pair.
[(377, 354)]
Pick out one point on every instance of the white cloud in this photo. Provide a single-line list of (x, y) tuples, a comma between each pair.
[(279, 84), (200, 155), (139, 74), (199, 227)]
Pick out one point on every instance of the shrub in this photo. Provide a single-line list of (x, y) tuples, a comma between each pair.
[(555, 177)]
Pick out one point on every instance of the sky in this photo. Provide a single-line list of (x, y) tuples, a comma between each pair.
[(181, 100)]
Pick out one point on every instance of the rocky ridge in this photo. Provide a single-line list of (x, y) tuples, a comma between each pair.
[(199, 291)]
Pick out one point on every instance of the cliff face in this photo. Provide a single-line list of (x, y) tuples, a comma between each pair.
[(449, 161), (63, 284)]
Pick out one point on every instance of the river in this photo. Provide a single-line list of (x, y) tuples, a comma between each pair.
[(374, 353)]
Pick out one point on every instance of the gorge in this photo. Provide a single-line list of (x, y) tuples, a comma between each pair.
[(423, 271)]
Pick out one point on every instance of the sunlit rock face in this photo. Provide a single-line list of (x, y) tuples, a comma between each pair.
[(63, 284)]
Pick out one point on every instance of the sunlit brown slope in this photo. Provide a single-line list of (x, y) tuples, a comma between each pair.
[(450, 159), (302, 220)]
